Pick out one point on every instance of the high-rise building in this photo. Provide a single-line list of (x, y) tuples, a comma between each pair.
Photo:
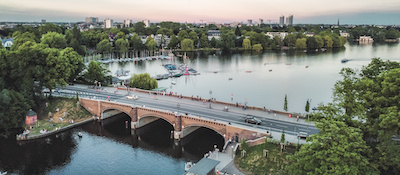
[(108, 23), (91, 20), (249, 22), (260, 21), (127, 22), (146, 22), (289, 20), (281, 20)]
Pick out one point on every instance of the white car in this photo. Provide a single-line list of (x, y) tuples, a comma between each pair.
[(134, 97)]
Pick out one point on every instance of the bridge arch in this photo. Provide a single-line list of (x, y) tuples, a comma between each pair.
[(186, 130), (148, 118)]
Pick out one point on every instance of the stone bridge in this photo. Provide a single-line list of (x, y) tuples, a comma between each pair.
[(183, 124)]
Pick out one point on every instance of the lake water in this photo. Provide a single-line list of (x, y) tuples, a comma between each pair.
[(263, 78), (108, 149)]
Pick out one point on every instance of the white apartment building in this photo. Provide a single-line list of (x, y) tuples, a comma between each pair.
[(108, 23), (146, 22), (127, 22)]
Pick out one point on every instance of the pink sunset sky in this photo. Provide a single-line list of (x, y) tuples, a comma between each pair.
[(304, 11)]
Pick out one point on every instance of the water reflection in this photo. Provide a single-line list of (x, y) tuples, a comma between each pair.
[(37, 156)]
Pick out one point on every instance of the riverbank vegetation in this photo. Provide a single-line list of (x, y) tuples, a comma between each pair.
[(138, 40), (57, 112), (266, 158), (358, 130)]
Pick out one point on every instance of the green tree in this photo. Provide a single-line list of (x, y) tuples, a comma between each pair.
[(319, 41), (104, 46), (54, 40), (173, 42), (121, 46), (203, 41), (49, 27), (75, 62), (290, 40), (21, 39), (151, 44), (285, 107), (165, 31), (237, 31), (213, 42), (13, 107), (136, 43), (57, 70), (328, 41), (392, 33), (336, 149), (143, 81), (193, 36), (369, 101), (257, 47), (227, 40), (183, 34), (95, 72), (140, 28), (77, 47), (283, 136), (301, 43), (187, 45), (246, 44), (307, 108), (312, 43)]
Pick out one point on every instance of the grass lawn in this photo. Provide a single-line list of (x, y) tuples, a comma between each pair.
[(58, 113), (254, 161)]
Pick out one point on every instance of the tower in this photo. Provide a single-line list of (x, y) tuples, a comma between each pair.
[(289, 20), (281, 20)]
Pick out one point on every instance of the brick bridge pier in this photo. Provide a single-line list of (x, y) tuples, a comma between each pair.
[(183, 124)]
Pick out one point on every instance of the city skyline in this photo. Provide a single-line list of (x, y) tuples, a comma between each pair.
[(304, 12)]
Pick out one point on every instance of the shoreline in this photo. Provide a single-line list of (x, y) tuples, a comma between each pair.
[(49, 133)]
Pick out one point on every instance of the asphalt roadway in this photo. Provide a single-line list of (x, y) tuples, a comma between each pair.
[(273, 123)]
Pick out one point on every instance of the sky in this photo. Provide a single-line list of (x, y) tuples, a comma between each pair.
[(384, 12)]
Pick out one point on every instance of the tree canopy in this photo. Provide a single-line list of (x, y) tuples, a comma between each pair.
[(143, 81), (366, 105)]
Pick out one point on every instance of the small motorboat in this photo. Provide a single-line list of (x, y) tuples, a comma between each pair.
[(270, 70), (188, 165), (306, 66), (344, 60), (80, 135), (230, 79), (173, 82)]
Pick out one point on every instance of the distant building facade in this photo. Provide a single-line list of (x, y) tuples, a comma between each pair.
[(282, 35), (108, 23), (146, 22), (289, 20), (365, 39), (91, 20), (127, 22), (213, 34), (7, 42), (344, 34), (249, 22), (281, 21), (260, 21)]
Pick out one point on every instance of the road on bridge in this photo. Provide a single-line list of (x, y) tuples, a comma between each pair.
[(272, 122)]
